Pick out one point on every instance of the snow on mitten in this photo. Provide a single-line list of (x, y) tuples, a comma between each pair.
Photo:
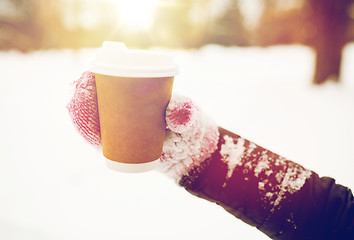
[(192, 138)]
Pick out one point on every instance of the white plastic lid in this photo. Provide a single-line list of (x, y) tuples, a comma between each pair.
[(132, 167), (115, 59)]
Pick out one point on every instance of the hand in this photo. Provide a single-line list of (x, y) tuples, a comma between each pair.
[(191, 136)]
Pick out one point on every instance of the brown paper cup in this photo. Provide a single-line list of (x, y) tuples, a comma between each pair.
[(132, 119), (133, 90)]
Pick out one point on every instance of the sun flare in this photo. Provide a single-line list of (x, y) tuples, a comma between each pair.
[(135, 15)]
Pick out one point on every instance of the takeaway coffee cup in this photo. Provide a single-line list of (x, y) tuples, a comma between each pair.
[(133, 90)]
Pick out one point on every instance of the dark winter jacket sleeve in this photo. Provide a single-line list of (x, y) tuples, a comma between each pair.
[(279, 197)]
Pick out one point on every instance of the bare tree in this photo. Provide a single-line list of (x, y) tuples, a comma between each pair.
[(321, 24), (331, 20)]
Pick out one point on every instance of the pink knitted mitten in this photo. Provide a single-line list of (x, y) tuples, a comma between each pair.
[(83, 109)]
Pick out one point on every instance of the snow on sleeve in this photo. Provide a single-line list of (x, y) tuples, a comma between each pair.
[(292, 181), (232, 153), (275, 175)]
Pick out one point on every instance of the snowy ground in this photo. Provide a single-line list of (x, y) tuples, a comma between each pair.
[(53, 185)]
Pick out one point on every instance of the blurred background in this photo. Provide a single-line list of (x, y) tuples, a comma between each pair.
[(279, 73), (325, 25)]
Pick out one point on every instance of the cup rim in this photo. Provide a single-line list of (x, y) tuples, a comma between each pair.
[(130, 71)]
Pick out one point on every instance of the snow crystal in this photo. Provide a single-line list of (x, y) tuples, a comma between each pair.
[(250, 149), (279, 176), (289, 182), (262, 164), (269, 172), (269, 194), (293, 180), (232, 153), (261, 185), (248, 165)]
